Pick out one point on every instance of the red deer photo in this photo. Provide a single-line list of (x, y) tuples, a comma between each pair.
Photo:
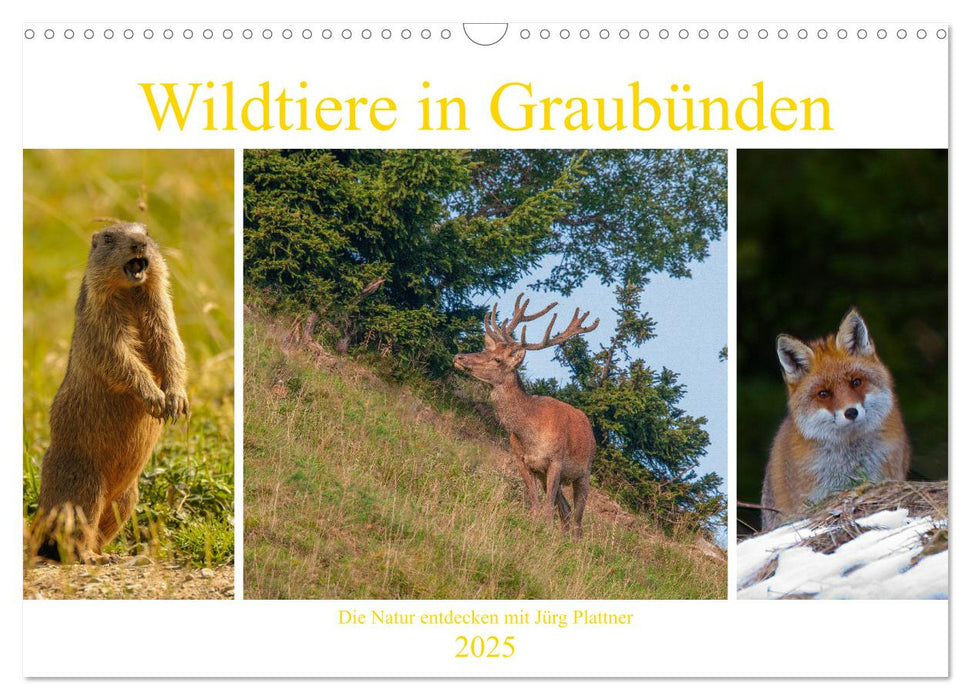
[(421, 423), (552, 441)]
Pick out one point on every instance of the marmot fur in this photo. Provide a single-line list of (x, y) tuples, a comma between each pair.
[(125, 376)]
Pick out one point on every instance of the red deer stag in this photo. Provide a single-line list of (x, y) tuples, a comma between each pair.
[(552, 441)]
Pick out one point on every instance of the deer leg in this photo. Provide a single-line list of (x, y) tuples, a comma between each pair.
[(563, 508), (539, 486), (562, 504), (553, 490), (529, 479), (581, 489)]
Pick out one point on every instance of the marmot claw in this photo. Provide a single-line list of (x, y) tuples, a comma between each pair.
[(176, 405), (155, 405)]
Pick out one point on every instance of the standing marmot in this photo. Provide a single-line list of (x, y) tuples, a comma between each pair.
[(125, 375)]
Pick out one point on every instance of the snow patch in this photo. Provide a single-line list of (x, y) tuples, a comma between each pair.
[(885, 561), (885, 519)]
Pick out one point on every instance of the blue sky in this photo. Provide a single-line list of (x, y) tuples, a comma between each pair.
[(692, 326)]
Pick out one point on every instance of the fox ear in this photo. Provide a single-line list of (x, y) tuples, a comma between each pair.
[(794, 356), (853, 336)]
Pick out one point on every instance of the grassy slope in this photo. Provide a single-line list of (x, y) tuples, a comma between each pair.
[(355, 488), (187, 487)]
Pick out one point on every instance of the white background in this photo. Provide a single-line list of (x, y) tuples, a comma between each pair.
[(85, 93), (707, 639)]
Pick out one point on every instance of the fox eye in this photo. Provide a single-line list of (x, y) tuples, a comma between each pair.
[(855, 382), (823, 394), (497, 359)]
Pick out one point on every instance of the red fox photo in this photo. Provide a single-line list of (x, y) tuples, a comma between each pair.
[(842, 466), (844, 425)]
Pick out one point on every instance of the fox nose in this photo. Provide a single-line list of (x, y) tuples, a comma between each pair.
[(851, 413)]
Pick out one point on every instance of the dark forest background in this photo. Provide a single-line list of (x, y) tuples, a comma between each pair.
[(818, 232)]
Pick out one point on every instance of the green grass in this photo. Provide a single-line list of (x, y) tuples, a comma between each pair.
[(357, 488), (185, 511)]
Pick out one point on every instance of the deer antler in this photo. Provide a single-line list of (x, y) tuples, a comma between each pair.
[(575, 327), (505, 332)]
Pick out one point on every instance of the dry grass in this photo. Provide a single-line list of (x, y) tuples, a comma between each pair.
[(359, 489), (838, 515)]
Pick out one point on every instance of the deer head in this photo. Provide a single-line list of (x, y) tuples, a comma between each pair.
[(504, 353)]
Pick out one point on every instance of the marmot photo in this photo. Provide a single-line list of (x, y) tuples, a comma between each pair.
[(125, 377)]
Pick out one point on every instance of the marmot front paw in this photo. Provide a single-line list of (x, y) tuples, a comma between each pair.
[(176, 404), (155, 405)]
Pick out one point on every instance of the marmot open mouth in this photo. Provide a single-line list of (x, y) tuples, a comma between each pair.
[(135, 268)]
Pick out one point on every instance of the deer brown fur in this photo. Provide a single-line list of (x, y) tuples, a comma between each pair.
[(552, 441)]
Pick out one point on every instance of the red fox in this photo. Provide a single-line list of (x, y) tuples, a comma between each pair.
[(844, 424)]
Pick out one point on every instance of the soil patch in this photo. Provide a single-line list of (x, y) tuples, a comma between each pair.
[(133, 578)]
